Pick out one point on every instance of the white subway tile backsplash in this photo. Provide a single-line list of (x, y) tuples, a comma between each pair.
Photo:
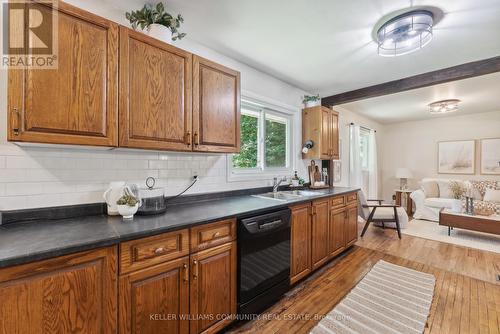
[(21, 162), (16, 189), (33, 177)]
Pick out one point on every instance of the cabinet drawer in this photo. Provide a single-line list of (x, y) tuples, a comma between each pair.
[(206, 236), (141, 253), (352, 198), (338, 202)]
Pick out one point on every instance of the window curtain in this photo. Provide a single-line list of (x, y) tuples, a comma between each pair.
[(355, 174), (372, 166)]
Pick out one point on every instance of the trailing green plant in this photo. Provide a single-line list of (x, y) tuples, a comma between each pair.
[(156, 14), (458, 189), (311, 98), (127, 199)]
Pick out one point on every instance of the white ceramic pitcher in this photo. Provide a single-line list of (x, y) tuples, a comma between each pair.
[(112, 194)]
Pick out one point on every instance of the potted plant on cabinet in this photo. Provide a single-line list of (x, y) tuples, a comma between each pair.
[(458, 190), (156, 22), (311, 100), (127, 205)]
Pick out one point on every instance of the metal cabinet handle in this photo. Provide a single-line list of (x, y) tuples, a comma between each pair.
[(159, 250), (195, 269), (216, 234), (186, 272), (18, 115), (196, 139), (188, 138)]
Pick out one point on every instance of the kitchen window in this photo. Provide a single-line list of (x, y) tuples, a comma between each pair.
[(265, 143)]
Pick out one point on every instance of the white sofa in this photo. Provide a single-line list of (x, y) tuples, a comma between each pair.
[(428, 207)]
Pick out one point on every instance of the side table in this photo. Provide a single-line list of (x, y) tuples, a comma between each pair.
[(404, 194)]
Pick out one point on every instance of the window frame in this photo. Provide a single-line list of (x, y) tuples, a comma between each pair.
[(261, 172)]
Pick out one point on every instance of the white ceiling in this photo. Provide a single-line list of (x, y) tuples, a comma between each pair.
[(326, 46), (479, 94)]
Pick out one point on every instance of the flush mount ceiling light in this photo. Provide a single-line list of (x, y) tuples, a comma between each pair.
[(444, 106), (405, 33)]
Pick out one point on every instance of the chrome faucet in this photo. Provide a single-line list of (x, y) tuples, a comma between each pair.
[(276, 183)]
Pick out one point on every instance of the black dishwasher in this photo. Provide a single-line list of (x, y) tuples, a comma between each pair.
[(263, 260)]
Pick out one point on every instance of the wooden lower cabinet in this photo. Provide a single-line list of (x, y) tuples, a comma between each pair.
[(213, 288), (156, 299), (321, 230), (75, 293), (319, 244), (336, 231), (300, 262), (351, 225)]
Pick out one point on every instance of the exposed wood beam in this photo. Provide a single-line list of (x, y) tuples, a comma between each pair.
[(464, 71)]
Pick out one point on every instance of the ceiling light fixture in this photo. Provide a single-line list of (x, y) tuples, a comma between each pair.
[(405, 33), (444, 106)]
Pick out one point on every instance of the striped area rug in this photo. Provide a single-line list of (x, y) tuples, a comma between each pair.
[(389, 299)]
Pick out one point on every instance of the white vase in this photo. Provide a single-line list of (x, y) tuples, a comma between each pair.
[(127, 211), (160, 32), (112, 194), (456, 206)]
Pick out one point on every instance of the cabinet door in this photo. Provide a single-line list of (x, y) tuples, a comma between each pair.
[(155, 299), (155, 93), (351, 225), (213, 288), (70, 294), (334, 135), (76, 103), (216, 107), (300, 242), (319, 246), (326, 129), (336, 231)]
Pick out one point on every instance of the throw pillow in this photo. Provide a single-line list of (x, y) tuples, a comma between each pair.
[(481, 186), (492, 195), (444, 189), (430, 189)]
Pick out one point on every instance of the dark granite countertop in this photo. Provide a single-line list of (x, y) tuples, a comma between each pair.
[(36, 240)]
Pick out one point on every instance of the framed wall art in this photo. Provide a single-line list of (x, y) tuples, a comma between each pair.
[(457, 157), (490, 156)]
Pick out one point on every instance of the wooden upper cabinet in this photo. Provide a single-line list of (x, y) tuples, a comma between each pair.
[(77, 103), (213, 288), (76, 293), (334, 135), (216, 107), (320, 124), (325, 144), (300, 264), (319, 246), (155, 93)]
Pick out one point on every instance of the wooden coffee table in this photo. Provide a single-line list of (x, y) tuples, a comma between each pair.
[(486, 224)]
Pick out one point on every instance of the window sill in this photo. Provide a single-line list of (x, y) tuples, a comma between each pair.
[(257, 175)]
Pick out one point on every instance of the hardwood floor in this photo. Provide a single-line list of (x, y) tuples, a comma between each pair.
[(469, 262), (466, 298)]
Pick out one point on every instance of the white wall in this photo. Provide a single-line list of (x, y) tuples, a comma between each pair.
[(414, 145), (35, 177)]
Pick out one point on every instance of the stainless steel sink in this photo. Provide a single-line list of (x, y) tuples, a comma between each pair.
[(288, 194), (278, 196), (302, 193)]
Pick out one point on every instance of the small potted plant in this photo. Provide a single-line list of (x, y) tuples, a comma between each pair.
[(311, 100), (458, 189), (127, 205), (156, 22)]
